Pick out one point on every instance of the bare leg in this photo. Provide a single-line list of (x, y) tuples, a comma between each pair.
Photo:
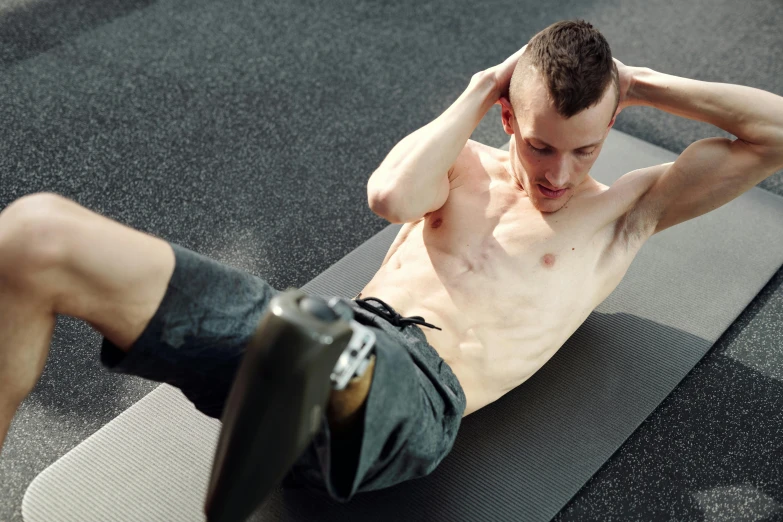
[(345, 406), (57, 257), (26, 327), (61, 258)]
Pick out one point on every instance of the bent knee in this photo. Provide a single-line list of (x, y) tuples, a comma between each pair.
[(32, 232)]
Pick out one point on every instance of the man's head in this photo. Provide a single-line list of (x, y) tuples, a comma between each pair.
[(564, 94)]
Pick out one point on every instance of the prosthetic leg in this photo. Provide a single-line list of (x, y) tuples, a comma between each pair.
[(303, 348)]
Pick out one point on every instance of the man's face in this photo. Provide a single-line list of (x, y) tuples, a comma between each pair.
[(568, 148)]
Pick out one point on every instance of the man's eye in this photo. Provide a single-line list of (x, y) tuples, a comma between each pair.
[(546, 150)]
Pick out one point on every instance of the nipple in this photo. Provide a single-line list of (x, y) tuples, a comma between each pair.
[(438, 222), (548, 260)]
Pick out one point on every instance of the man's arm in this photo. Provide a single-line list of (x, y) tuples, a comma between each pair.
[(710, 172), (414, 177), (753, 115)]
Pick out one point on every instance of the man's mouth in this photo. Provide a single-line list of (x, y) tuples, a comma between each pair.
[(554, 194)]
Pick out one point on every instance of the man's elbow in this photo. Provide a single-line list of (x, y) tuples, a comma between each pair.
[(380, 206)]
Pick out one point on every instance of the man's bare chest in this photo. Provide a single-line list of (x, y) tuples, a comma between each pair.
[(495, 244)]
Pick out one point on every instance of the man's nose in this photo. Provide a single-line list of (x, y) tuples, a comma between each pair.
[(558, 175)]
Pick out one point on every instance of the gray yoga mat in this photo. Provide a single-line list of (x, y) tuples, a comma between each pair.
[(520, 458)]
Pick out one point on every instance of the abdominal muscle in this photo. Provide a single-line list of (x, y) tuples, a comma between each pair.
[(498, 328)]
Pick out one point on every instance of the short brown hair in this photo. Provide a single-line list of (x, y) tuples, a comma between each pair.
[(575, 62)]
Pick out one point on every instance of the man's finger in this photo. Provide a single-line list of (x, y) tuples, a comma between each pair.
[(519, 53)]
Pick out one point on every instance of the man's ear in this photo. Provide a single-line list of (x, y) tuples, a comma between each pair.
[(506, 115)]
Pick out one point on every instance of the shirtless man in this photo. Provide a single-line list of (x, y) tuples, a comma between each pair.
[(511, 268), (506, 252)]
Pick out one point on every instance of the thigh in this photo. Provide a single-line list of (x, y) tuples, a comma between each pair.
[(411, 418), (198, 335)]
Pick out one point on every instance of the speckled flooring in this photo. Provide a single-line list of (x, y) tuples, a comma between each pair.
[(247, 132)]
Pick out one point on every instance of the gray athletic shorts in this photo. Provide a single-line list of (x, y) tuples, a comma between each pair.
[(198, 336)]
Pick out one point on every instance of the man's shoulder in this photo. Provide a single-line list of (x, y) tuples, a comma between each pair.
[(623, 198), (472, 161), (489, 149)]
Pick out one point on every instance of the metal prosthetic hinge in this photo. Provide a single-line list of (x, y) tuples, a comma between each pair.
[(356, 357)]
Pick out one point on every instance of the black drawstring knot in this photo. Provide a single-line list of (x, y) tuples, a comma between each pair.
[(391, 315)]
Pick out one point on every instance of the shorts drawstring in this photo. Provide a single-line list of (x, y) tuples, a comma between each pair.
[(391, 315)]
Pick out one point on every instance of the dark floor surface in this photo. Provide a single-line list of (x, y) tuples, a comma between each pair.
[(247, 131)]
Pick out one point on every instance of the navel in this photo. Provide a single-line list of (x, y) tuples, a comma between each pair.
[(438, 222), (548, 260)]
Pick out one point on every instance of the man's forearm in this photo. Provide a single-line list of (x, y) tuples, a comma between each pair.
[(414, 169), (751, 114)]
